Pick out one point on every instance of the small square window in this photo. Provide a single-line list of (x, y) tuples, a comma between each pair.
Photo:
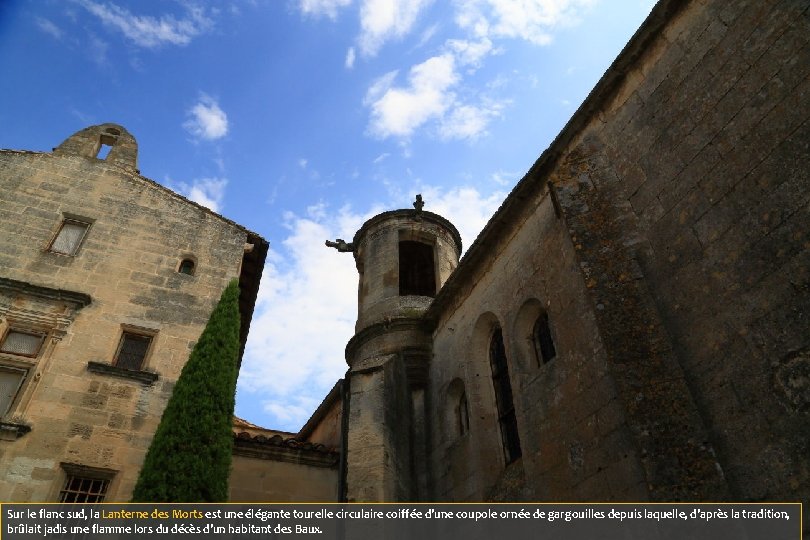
[(132, 351), (11, 380), (186, 267), (22, 343), (69, 237)]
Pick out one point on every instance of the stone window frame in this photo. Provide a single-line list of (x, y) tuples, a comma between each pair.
[(28, 364), (76, 471), (74, 219), (146, 374), (40, 310), (19, 329), (184, 260), (134, 332)]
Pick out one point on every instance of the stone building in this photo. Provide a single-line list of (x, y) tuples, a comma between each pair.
[(106, 281), (631, 324)]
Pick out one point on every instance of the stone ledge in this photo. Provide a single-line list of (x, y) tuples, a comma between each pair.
[(144, 377), (10, 431)]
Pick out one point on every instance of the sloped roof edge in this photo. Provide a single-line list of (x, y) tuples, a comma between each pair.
[(520, 195)]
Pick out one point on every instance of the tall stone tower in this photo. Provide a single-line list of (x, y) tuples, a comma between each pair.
[(403, 258)]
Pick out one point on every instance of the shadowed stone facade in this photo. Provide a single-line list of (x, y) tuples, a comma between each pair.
[(632, 323)]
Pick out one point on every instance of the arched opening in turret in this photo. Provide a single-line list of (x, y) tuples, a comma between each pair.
[(417, 271)]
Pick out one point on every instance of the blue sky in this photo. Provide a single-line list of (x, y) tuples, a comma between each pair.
[(302, 118)]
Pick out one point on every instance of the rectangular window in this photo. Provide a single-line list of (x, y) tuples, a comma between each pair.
[(132, 351), (11, 380), (22, 343), (85, 484), (417, 275), (69, 237)]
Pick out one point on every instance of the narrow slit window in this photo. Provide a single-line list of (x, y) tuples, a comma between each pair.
[(503, 397), (463, 415), (11, 380), (543, 342), (22, 343), (132, 351), (417, 274), (186, 267), (69, 237)]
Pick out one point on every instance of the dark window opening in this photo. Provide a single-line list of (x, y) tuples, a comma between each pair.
[(186, 267), (11, 380), (463, 415), (503, 397), (132, 351), (80, 489), (543, 342), (417, 275)]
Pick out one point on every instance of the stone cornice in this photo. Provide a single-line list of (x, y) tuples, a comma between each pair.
[(79, 299)]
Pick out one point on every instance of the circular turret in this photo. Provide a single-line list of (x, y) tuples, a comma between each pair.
[(403, 257)]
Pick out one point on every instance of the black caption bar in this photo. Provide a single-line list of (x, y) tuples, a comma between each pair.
[(430, 521)]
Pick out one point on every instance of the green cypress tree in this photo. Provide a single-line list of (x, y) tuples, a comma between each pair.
[(190, 457)]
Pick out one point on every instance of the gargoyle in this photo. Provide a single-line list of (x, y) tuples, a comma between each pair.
[(341, 245)]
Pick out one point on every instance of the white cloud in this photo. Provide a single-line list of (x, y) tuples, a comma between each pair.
[(329, 8), (399, 111), (305, 314), (207, 120), (208, 192), (382, 20), (307, 304), (302, 163), (350, 55), (466, 207), (151, 32), (380, 158), (49, 28), (530, 20), (468, 121), (470, 52), (429, 97)]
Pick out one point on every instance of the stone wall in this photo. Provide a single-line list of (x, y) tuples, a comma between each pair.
[(574, 439), (671, 256), (79, 408), (694, 178), (258, 480)]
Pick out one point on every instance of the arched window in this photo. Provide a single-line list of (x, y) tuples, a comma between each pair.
[(503, 397), (543, 342), (186, 267)]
